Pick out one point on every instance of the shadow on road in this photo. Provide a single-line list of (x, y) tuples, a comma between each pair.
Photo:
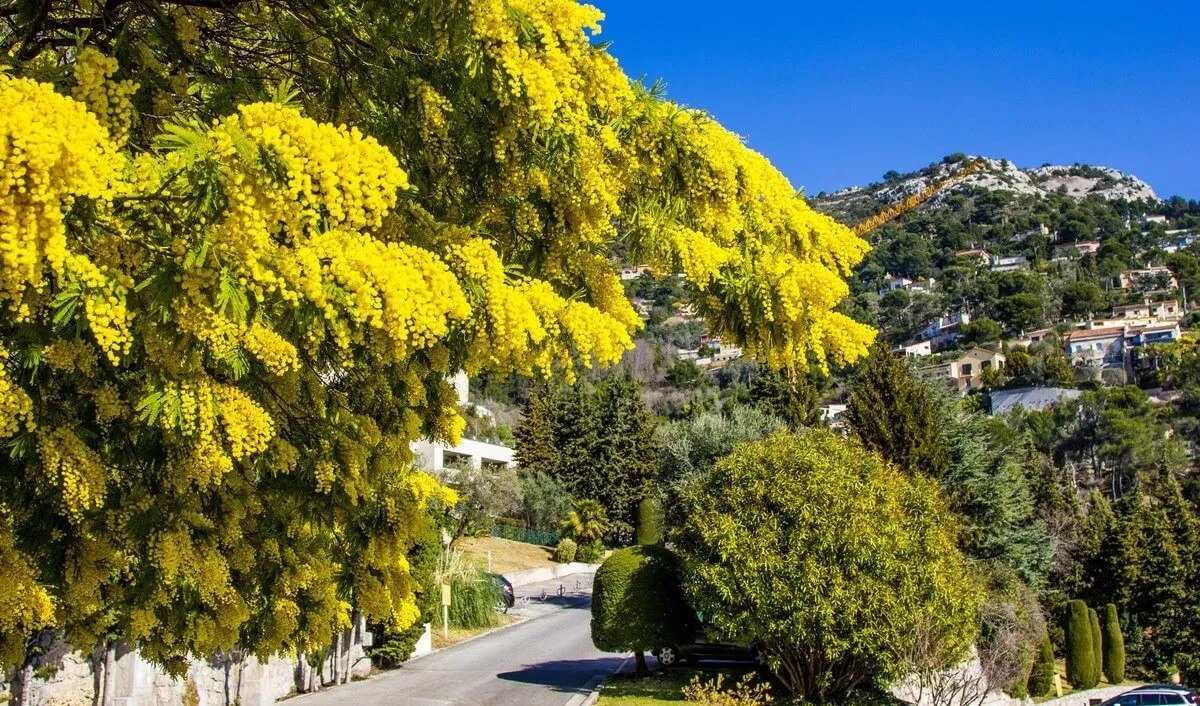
[(566, 675), (568, 601)]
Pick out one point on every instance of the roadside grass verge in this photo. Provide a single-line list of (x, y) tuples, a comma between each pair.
[(458, 635)]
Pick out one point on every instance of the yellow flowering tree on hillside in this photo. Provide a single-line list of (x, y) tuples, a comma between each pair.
[(224, 315)]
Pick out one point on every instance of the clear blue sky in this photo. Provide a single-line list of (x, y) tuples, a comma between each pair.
[(838, 92)]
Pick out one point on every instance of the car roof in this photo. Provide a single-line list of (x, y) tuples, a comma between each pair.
[(1161, 687)]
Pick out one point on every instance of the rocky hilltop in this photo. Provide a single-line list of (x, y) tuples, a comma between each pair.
[(1076, 181)]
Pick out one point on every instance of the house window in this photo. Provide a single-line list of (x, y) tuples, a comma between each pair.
[(966, 369), (985, 365)]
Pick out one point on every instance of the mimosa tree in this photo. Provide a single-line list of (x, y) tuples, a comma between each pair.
[(224, 315)]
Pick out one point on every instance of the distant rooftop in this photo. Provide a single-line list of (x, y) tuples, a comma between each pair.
[(1030, 398)]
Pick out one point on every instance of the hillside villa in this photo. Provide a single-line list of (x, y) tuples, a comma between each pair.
[(965, 373)]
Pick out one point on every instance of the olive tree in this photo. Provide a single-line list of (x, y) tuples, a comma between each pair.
[(830, 558)]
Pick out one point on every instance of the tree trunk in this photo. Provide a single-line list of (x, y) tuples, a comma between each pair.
[(110, 661), (639, 658), (25, 697)]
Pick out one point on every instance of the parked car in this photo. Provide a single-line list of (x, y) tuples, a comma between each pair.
[(507, 597), (1187, 691), (1155, 695), (701, 648)]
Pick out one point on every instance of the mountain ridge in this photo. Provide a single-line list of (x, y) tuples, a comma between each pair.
[(1077, 181)]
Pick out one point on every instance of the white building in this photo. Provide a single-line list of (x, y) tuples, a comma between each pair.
[(915, 350), (1009, 263), (945, 328), (433, 455)]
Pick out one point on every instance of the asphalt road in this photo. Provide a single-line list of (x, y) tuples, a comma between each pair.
[(547, 660)]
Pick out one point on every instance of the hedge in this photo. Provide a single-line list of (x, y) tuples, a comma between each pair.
[(1097, 646), (1041, 678), (1081, 660), (1114, 646), (650, 521)]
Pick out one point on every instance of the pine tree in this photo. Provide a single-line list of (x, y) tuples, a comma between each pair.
[(535, 438), (1097, 646), (1185, 527), (1114, 646), (597, 440), (891, 412), (795, 399), (1157, 587), (990, 490)]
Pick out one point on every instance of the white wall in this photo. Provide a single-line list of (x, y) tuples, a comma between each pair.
[(74, 679)]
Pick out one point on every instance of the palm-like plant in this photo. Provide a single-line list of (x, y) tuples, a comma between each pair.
[(586, 523)]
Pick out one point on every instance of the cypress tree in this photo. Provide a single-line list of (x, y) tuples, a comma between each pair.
[(891, 413), (650, 521), (1041, 678), (1080, 659), (1114, 646), (1097, 646)]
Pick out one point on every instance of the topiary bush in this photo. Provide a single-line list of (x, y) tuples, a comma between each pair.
[(566, 550), (1114, 646), (590, 553), (651, 520), (638, 603), (1041, 677), (1079, 647), (806, 544), (1097, 646)]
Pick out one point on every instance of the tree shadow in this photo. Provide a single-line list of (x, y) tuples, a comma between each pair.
[(564, 675)]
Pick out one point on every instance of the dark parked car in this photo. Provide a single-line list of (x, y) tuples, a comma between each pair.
[(507, 598), (1155, 695), (700, 647)]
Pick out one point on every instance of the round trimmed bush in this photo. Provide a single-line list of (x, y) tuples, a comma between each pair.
[(638, 604), (1080, 657), (1041, 677), (1114, 646), (566, 550)]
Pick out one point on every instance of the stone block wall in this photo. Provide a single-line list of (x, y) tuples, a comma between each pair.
[(64, 677)]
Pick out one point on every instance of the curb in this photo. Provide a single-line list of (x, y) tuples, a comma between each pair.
[(595, 685)]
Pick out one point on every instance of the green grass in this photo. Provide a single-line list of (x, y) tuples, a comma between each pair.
[(661, 687), (664, 687)]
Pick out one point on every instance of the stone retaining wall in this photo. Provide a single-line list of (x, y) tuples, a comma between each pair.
[(68, 678)]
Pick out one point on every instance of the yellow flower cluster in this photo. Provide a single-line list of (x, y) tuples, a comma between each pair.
[(16, 409), (276, 353), (51, 151), (104, 304), (525, 325), (108, 404), (737, 215), (27, 604), (70, 355), (193, 408), (107, 99), (76, 468)]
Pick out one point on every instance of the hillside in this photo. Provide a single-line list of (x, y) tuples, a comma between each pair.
[(1075, 181)]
